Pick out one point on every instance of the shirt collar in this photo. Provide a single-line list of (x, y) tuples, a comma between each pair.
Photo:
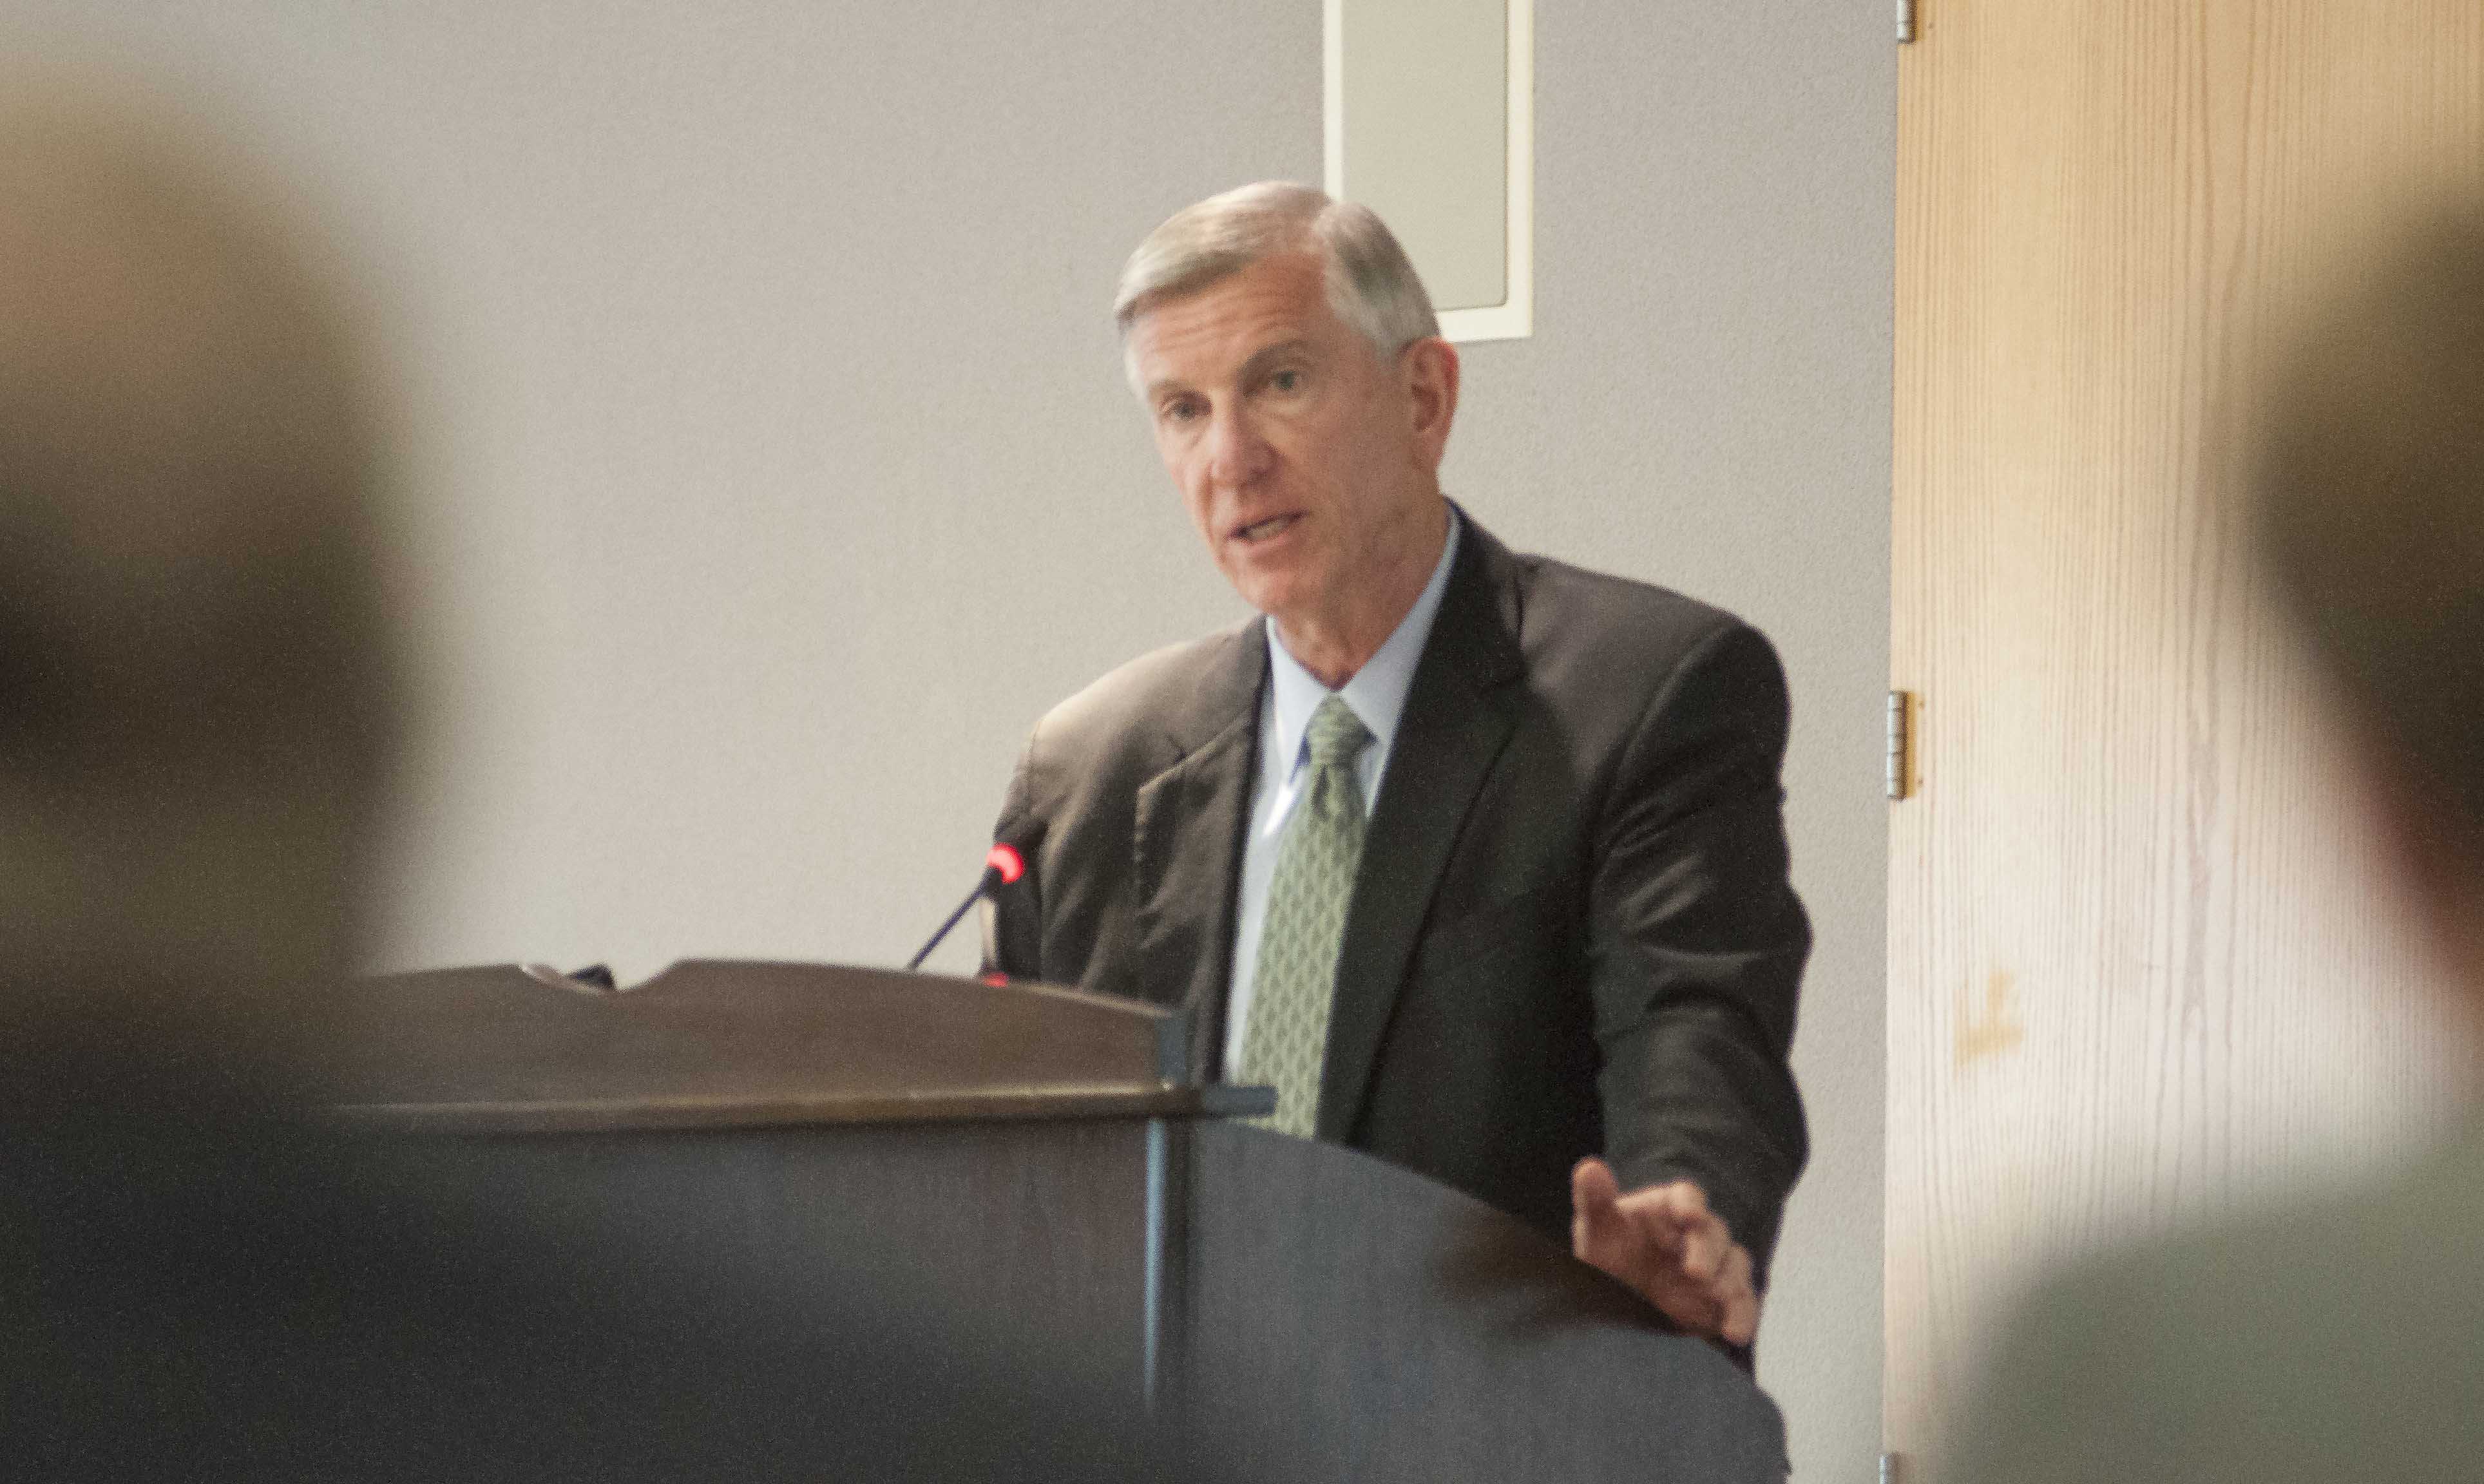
[(1377, 692)]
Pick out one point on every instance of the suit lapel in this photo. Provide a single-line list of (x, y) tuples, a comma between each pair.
[(1459, 713), (1187, 845)]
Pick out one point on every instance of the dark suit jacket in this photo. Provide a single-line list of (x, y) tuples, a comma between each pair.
[(1572, 931)]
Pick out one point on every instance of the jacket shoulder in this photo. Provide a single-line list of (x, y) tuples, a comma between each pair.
[(1111, 737), (1136, 701), (1621, 625)]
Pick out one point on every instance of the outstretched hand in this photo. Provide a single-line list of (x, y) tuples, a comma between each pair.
[(1665, 1243)]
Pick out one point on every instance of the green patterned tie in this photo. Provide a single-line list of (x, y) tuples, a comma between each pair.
[(1296, 976)]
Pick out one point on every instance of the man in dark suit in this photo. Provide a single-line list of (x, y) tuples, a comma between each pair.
[(1476, 858)]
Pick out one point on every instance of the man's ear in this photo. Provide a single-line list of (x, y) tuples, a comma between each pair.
[(1430, 367)]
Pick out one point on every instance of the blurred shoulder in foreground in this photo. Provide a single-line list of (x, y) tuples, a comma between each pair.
[(2339, 1340)]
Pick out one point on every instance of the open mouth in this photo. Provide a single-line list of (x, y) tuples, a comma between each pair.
[(1262, 531)]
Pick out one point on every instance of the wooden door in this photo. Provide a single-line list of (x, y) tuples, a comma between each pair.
[(2136, 966)]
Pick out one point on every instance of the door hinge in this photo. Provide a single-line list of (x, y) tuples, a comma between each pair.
[(1889, 1469), (1902, 744), (1906, 21)]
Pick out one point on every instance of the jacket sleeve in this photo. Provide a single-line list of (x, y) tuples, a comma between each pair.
[(1697, 942)]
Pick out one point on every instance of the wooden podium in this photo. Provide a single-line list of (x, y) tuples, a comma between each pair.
[(1033, 1160)]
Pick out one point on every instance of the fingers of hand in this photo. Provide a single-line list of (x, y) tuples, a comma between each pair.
[(1676, 1218), (1690, 1306), (1694, 1270), (1680, 1203), (1700, 1254), (1723, 1304), (1597, 1228), (1739, 1309), (1592, 1184), (1666, 1243)]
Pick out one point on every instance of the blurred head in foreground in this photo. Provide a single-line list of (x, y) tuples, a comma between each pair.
[(196, 723), (2335, 1334), (2371, 511), (199, 713)]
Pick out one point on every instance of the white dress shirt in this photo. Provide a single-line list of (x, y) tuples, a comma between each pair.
[(1377, 695)]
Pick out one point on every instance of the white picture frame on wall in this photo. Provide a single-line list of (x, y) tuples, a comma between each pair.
[(1409, 131)]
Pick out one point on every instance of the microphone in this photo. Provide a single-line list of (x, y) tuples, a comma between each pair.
[(1002, 865)]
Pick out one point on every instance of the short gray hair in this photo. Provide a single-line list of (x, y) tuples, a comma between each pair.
[(1371, 285), (2370, 496)]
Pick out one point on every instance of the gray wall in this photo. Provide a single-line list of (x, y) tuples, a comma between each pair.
[(775, 468)]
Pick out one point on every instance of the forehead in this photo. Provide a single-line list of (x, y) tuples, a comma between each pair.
[(1281, 298)]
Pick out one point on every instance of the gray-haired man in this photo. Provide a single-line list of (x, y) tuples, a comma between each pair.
[(1476, 856)]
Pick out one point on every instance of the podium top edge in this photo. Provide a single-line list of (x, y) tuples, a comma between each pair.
[(1042, 989), (680, 969), (1132, 1102)]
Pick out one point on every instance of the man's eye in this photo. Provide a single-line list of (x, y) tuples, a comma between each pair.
[(1181, 412), (1286, 380)]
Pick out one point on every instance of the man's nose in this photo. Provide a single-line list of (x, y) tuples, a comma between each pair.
[(1236, 453)]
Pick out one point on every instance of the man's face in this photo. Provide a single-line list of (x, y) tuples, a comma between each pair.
[(1300, 451)]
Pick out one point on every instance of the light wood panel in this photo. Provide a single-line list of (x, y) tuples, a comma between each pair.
[(2136, 964)]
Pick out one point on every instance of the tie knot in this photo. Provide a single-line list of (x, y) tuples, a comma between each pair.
[(1336, 733)]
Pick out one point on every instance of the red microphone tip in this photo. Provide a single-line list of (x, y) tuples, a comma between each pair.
[(1004, 859)]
